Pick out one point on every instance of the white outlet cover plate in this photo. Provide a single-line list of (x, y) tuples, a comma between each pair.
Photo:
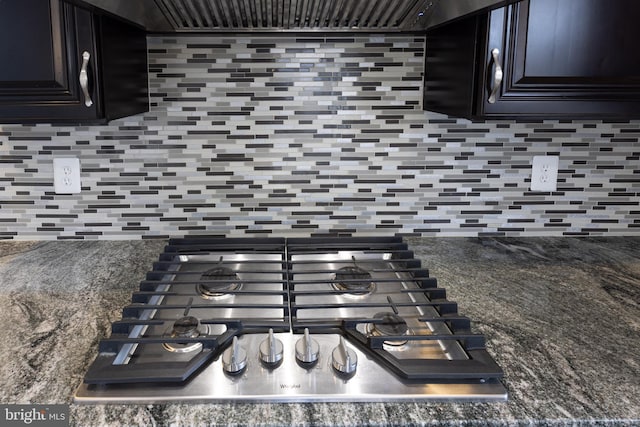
[(66, 175), (544, 173)]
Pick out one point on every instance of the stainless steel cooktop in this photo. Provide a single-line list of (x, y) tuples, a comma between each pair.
[(317, 319)]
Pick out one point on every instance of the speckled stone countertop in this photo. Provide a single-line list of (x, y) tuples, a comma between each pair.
[(561, 315)]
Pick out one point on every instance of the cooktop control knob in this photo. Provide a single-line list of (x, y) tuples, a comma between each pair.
[(271, 350), (234, 359), (307, 349), (343, 359)]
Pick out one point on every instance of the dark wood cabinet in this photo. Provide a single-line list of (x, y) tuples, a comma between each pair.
[(42, 43), (560, 59)]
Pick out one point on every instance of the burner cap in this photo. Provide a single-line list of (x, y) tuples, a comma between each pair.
[(219, 281), (354, 280), (390, 324), (184, 327)]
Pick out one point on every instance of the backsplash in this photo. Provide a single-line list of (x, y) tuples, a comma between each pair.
[(285, 136)]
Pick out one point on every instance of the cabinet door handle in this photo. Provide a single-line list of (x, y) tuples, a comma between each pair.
[(84, 79), (497, 76)]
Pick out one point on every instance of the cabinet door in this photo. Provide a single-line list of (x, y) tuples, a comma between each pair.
[(41, 46), (569, 58)]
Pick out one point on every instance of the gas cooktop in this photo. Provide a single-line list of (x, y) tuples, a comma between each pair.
[(305, 319)]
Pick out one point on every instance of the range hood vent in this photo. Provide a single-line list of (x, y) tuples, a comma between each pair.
[(297, 15), (242, 16)]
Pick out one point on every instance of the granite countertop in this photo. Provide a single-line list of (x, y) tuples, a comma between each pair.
[(561, 316)]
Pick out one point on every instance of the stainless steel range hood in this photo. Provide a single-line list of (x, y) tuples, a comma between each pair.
[(238, 16)]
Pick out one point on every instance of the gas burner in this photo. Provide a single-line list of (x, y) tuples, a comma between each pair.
[(391, 324), (354, 280), (185, 327), (222, 281)]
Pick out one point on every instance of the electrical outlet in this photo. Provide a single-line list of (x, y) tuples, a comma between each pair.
[(544, 173), (66, 175)]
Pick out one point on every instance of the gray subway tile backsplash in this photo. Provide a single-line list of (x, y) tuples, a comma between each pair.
[(311, 135)]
